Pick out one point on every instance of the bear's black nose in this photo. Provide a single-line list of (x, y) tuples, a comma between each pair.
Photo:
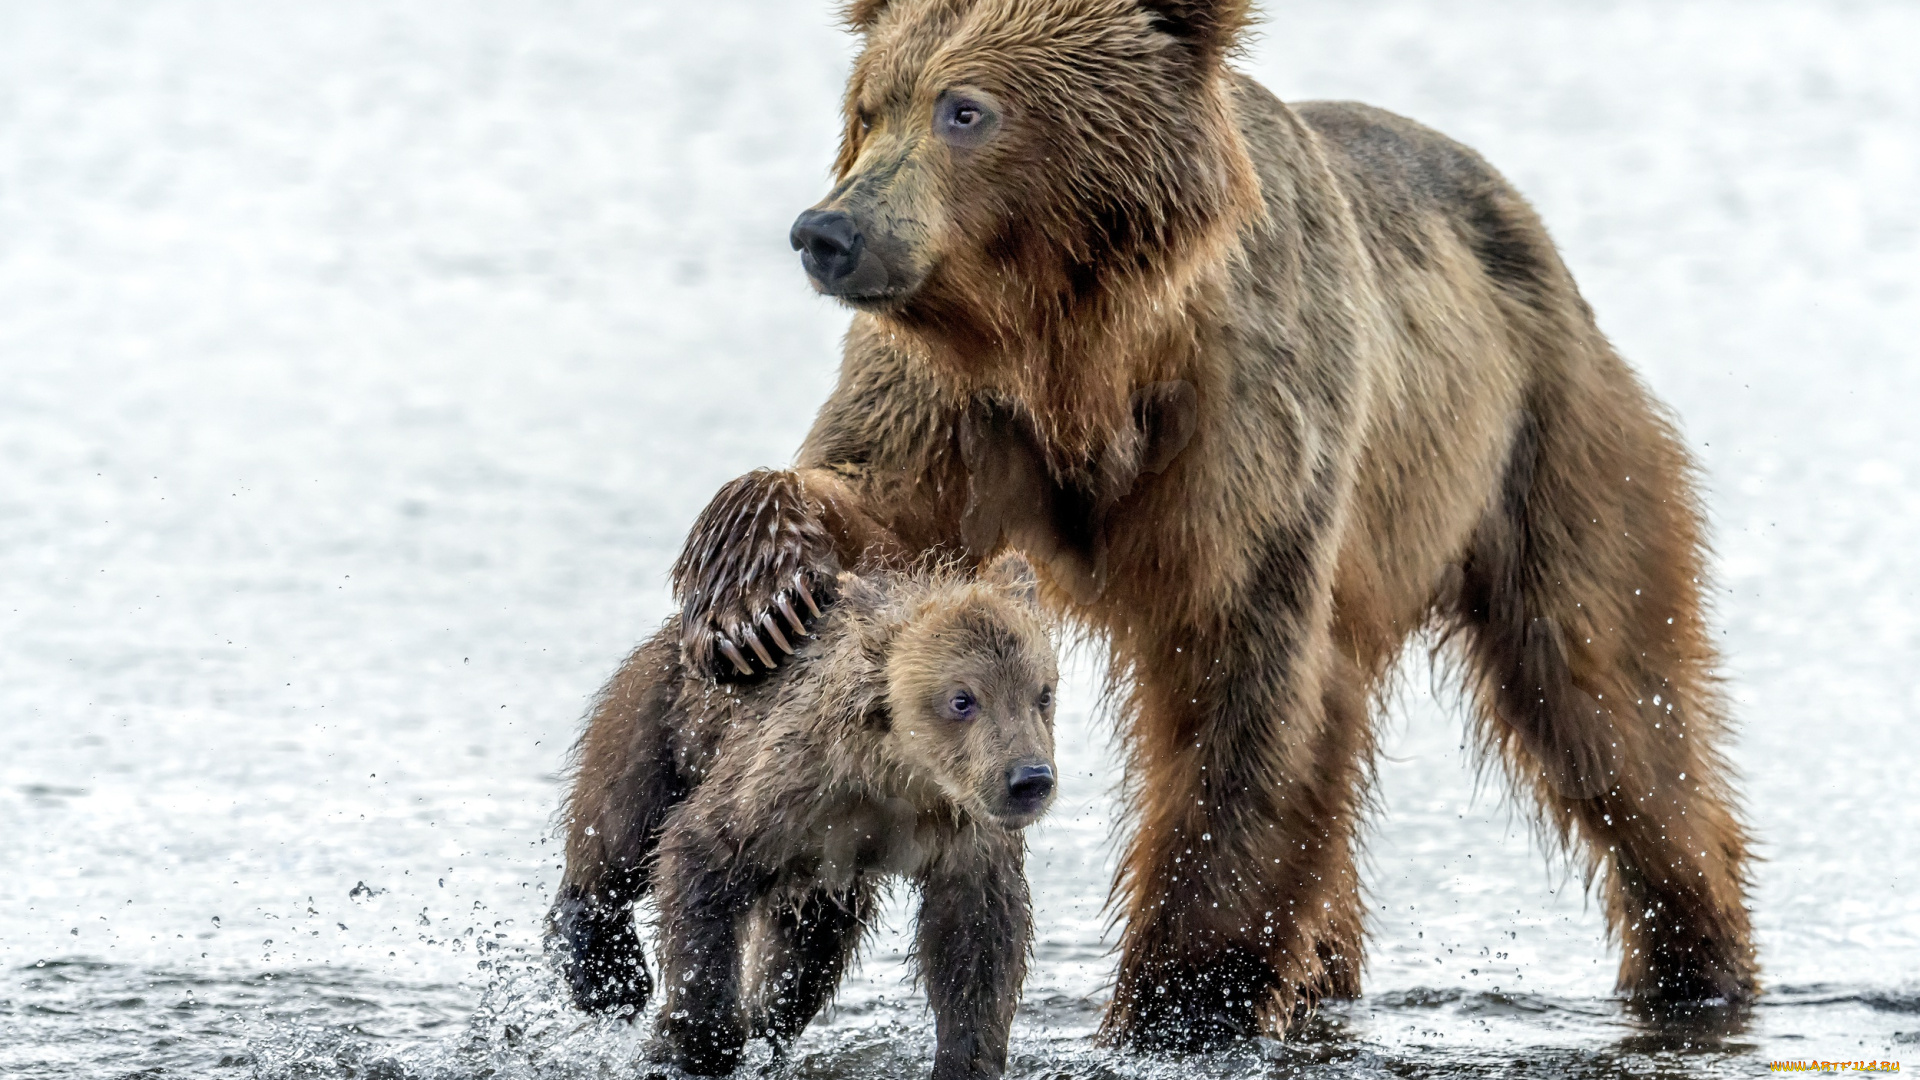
[(1029, 785), (829, 244)]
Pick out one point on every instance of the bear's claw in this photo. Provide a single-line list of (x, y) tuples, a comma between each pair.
[(732, 652), (760, 651), (806, 594), (773, 631), (785, 603)]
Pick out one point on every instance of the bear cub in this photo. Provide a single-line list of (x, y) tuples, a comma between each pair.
[(910, 736)]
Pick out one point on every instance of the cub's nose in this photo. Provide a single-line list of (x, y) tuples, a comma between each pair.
[(1029, 785), (829, 244)]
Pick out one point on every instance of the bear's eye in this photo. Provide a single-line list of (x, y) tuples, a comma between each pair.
[(1046, 697), (961, 705), (865, 120), (963, 120)]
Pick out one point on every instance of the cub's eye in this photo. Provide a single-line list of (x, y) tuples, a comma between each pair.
[(963, 120), (865, 119), (1046, 697), (960, 705)]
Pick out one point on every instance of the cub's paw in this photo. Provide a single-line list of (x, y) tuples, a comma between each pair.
[(600, 956), (697, 1047), (754, 576)]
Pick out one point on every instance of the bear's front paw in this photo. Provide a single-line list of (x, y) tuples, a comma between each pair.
[(964, 1056), (757, 569)]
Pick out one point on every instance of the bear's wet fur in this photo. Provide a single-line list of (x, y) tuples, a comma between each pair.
[(1408, 428), (908, 735)]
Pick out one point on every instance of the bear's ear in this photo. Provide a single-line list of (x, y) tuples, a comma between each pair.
[(1210, 27), (1012, 572), (862, 14)]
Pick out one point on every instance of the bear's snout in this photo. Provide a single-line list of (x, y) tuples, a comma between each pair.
[(1028, 787), (847, 258), (829, 243)]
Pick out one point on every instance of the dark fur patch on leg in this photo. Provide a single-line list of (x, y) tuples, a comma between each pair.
[(974, 931), (1522, 652), (625, 782), (602, 959), (702, 1027)]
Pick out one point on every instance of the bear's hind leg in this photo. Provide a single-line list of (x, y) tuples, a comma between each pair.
[(1581, 621), (624, 783)]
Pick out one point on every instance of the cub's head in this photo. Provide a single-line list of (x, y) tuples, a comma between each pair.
[(970, 685), (1006, 160)]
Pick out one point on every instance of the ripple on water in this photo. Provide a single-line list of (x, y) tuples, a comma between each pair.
[(120, 1021)]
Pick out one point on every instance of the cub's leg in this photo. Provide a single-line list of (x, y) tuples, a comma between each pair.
[(624, 784), (1247, 774), (705, 893), (1580, 614), (975, 929), (806, 947)]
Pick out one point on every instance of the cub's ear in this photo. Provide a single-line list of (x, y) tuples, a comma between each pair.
[(1012, 572), (862, 14), (1210, 27), (867, 613), (861, 592)]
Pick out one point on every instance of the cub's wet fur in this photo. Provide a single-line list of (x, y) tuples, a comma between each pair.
[(910, 735)]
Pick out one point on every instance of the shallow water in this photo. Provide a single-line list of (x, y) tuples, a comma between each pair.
[(363, 365)]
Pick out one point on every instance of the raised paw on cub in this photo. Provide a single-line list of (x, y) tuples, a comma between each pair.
[(758, 567)]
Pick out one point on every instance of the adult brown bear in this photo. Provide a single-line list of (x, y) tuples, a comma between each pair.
[(1401, 416)]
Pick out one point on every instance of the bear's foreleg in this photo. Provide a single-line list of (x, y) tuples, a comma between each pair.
[(1249, 747), (975, 929), (705, 894), (807, 947), (601, 957), (760, 564)]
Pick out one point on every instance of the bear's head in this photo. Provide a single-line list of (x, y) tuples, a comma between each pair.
[(970, 687), (1010, 164)]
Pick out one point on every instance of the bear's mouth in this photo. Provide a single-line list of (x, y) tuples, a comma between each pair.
[(882, 302), (1018, 809), (875, 283), (1013, 818)]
